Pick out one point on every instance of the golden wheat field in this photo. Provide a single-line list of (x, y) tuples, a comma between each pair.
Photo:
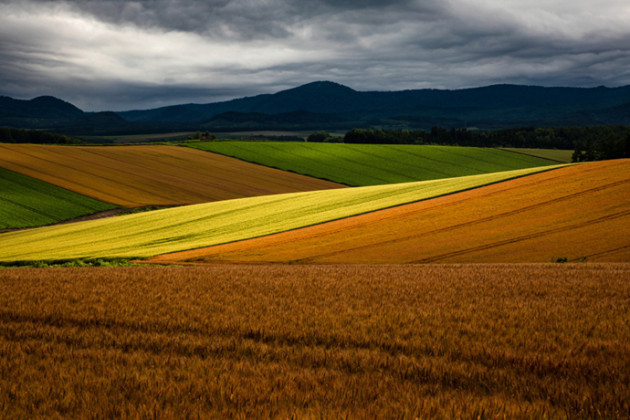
[(577, 213), (318, 341), (133, 176)]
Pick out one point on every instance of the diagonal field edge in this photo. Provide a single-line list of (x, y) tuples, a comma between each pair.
[(201, 225)]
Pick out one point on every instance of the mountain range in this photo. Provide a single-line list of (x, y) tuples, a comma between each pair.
[(328, 105)]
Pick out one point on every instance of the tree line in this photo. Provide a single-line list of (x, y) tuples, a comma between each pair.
[(16, 135), (588, 143)]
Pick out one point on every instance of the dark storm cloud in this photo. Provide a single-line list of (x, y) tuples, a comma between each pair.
[(192, 15), (246, 19), (140, 53)]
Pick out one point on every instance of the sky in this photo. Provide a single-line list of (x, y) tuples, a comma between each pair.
[(120, 55)]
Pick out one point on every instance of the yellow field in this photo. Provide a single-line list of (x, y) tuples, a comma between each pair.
[(503, 341), (133, 176), (580, 212)]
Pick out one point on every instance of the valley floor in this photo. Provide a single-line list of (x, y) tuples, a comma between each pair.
[(316, 341)]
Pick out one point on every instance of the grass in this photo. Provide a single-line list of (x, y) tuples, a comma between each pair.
[(562, 156), (135, 176), (28, 202), (575, 213), (196, 226), (364, 164), (476, 341)]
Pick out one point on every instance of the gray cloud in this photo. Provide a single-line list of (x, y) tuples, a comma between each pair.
[(129, 54)]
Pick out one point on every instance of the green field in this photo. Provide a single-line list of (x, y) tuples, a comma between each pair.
[(367, 164), (29, 202), (199, 225), (562, 156)]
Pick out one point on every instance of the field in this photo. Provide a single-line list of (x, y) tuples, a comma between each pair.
[(27, 202), (320, 333), (134, 176), (476, 341), (562, 156), (201, 225), (574, 213), (365, 164)]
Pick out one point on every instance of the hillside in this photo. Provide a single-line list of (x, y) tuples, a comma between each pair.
[(38, 109), (195, 226), (28, 202), (575, 213), (370, 164), (487, 107), (133, 176), (328, 105)]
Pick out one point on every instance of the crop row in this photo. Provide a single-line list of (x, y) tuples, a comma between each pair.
[(26, 202), (195, 226), (574, 213), (363, 164), (134, 176)]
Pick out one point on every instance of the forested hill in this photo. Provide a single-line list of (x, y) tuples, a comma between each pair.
[(327, 105), (487, 107)]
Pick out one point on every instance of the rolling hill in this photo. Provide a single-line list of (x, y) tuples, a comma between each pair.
[(327, 105), (29, 202), (42, 109), (195, 226), (575, 213), (488, 106), (134, 176), (369, 164)]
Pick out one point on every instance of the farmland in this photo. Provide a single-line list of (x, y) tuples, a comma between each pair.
[(134, 176), (427, 341), (27, 202), (200, 225), (364, 164), (556, 155), (574, 213), (331, 337)]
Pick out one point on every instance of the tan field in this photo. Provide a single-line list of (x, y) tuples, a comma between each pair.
[(577, 213), (134, 176), (331, 341)]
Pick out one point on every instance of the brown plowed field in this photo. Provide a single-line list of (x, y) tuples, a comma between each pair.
[(579, 213), (133, 176), (515, 341)]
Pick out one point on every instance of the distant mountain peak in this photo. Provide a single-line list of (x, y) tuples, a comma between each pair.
[(45, 98), (56, 103), (321, 87), (49, 99)]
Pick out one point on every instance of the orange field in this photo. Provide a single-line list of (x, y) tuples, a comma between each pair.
[(577, 213), (134, 176), (517, 341)]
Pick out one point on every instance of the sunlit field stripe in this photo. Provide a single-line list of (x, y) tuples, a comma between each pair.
[(196, 226), (576, 213)]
